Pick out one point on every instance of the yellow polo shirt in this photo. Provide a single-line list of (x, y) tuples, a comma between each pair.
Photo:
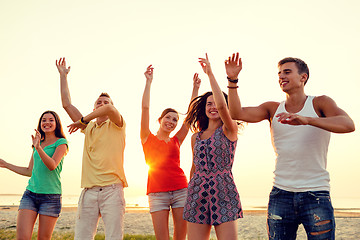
[(103, 156)]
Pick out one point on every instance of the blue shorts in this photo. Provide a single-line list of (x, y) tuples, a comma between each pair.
[(44, 204), (164, 200), (287, 210)]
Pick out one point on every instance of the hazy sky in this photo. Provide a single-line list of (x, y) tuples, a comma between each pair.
[(109, 44)]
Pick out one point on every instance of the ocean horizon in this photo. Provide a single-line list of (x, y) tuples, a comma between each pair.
[(248, 203)]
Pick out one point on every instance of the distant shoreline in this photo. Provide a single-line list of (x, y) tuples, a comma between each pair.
[(339, 212)]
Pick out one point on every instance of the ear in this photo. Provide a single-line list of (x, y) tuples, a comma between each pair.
[(304, 77)]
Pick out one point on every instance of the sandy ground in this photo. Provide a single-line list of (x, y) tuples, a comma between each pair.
[(138, 221)]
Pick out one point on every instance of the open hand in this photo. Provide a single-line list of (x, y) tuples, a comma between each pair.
[(233, 66), (36, 139), (75, 126), (61, 66), (292, 119)]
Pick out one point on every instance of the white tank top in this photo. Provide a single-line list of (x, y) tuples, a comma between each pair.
[(301, 153)]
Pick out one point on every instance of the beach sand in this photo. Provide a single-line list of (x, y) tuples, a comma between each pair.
[(138, 221)]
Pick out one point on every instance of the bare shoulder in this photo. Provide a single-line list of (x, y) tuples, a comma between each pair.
[(193, 137), (323, 99), (271, 107), (271, 104), (325, 106)]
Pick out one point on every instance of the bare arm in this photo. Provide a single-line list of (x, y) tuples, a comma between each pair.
[(332, 118), (106, 110), (145, 105), (193, 138), (233, 66), (72, 111), (182, 133), (230, 125), (25, 171), (50, 162)]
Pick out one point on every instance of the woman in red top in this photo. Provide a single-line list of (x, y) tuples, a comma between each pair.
[(167, 183)]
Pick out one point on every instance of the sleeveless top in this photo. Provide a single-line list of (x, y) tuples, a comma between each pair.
[(301, 153), (163, 159), (212, 194)]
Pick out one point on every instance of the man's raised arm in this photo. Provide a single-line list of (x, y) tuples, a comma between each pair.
[(72, 111), (233, 66)]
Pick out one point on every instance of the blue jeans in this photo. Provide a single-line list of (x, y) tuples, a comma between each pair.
[(287, 210), (43, 204)]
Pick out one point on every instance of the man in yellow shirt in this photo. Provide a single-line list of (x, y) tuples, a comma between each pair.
[(103, 177)]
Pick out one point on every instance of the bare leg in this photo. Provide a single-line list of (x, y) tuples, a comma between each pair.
[(25, 223), (180, 225), (198, 231), (46, 227), (160, 221), (227, 230)]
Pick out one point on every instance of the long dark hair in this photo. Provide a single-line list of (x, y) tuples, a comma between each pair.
[(196, 116), (58, 129)]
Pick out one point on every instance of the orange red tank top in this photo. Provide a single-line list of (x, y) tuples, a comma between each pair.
[(163, 159)]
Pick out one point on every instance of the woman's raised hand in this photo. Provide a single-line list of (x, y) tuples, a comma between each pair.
[(61, 66), (205, 64), (197, 80), (149, 73)]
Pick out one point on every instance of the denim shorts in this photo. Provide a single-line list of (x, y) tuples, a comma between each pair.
[(287, 210), (164, 200), (44, 204)]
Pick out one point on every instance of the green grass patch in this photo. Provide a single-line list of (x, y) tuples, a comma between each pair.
[(11, 234)]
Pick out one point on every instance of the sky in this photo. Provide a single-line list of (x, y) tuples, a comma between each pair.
[(109, 44)]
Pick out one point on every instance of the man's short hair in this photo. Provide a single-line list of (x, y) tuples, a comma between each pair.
[(300, 64), (104, 94)]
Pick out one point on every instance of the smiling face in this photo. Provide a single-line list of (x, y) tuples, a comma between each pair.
[(210, 108), (289, 77), (48, 123), (169, 122)]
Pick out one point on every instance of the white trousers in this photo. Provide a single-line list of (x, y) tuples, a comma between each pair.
[(107, 202)]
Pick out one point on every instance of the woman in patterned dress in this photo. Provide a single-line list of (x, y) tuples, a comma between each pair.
[(212, 195)]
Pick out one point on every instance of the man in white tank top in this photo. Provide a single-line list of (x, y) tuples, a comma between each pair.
[(300, 131)]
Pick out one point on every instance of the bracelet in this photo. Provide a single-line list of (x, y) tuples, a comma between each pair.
[(232, 87), (232, 81), (83, 122)]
